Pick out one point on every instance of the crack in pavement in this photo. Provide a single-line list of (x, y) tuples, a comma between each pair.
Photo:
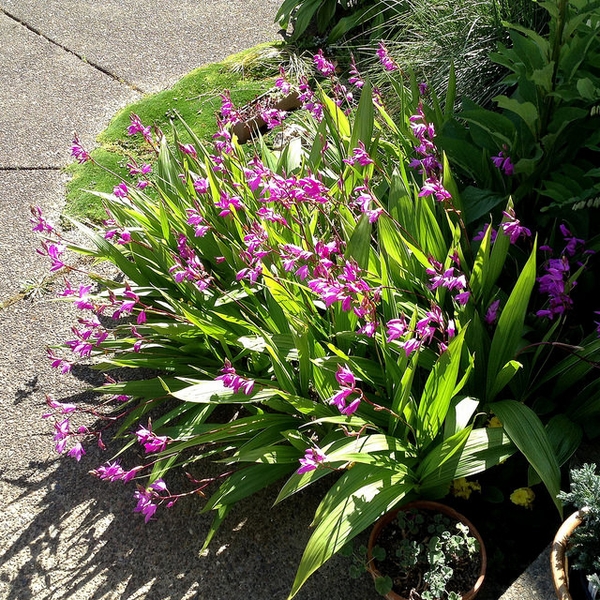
[(82, 58)]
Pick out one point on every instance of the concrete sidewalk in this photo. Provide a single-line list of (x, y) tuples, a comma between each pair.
[(65, 66)]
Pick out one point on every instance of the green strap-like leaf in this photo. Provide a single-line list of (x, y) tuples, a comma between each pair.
[(485, 447), (509, 330), (359, 498), (359, 244), (246, 482), (527, 432), (439, 390), (363, 122)]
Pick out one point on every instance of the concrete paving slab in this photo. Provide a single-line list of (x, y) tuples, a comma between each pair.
[(47, 93), (20, 265), (535, 583), (154, 43)]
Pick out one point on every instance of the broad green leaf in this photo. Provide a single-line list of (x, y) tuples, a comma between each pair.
[(571, 370), (359, 244), (402, 392), (495, 265), (215, 392), (484, 448), (459, 415), (526, 431), (565, 437), (526, 110), (217, 521), (430, 472), (345, 24), (497, 125), (378, 449), (478, 203), (542, 44), (482, 257), (239, 430), (285, 10), (245, 482), (269, 455), (303, 17), (339, 121), (450, 93), (508, 371)]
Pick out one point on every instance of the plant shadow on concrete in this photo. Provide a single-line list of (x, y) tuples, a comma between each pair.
[(67, 535)]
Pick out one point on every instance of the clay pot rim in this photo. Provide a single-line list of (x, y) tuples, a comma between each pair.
[(558, 564), (432, 506)]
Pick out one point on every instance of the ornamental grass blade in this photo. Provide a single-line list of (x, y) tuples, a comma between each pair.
[(527, 432), (357, 501)]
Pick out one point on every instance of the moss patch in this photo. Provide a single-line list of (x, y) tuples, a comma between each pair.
[(196, 97)]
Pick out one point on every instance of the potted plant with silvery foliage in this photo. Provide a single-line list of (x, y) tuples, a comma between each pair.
[(426, 550), (579, 536)]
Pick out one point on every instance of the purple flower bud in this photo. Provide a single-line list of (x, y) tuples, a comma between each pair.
[(324, 66), (121, 190), (345, 377), (78, 152), (492, 312), (385, 59)]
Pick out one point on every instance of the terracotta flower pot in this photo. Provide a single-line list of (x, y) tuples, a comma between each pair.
[(434, 507), (558, 560)]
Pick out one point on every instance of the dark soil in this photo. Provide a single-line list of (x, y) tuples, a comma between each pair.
[(514, 536)]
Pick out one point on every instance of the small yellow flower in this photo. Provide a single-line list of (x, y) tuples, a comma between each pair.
[(523, 497), (494, 422), (461, 488)]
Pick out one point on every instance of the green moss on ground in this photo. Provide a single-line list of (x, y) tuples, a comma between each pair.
[(196, 98)]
